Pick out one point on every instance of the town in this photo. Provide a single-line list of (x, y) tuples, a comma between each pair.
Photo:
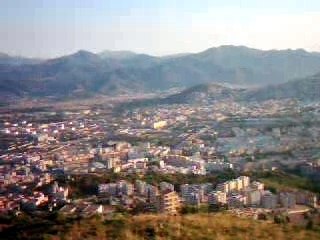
[(44, 154)]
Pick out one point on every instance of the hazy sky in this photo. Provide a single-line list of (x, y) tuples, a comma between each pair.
[(51, 28)]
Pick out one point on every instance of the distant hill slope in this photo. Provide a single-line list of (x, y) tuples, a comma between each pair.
[(306, 89), (199, 94), (112, 73), (202, 93)]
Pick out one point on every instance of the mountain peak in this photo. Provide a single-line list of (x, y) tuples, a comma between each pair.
[(83, 53), (117, 54), (232, 49), (83, 56)]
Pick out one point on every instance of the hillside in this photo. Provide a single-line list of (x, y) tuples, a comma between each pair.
[(81, 73), (127, 59), (112, 73), (258, 67), (203, 93), (199, 94), (306, 89), (219, 226)]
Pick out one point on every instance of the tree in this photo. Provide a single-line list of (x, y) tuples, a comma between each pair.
[(309, 225)]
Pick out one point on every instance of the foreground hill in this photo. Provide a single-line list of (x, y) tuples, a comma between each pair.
[(112, 73), (196, 226)]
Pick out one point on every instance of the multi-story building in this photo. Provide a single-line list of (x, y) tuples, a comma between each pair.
[(140, 187), (159, 124), (287, 199), (239, 184), (245, 181), (152, 193), (166, 186), (223, 187), (257, 185), (236, 201), (207, 188), (170, 202), (109, 189), (110, 163), (185, 190), (306, 198), (269, 200), (125, 188), (192, 194), (232, 185), (253, 197), (217, 197), (193, 198)]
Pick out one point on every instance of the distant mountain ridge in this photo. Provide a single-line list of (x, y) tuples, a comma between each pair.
[(123, 72), (6, 59)]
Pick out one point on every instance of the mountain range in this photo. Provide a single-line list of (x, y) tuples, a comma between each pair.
[(122, 72)]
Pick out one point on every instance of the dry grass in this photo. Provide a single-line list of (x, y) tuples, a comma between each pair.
[(187, 227)]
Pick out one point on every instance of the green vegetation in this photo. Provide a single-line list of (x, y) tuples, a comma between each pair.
[(34, 227), (86, 185), (278, 180)]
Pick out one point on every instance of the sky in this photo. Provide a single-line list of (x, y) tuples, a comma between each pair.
[(51, 28)]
